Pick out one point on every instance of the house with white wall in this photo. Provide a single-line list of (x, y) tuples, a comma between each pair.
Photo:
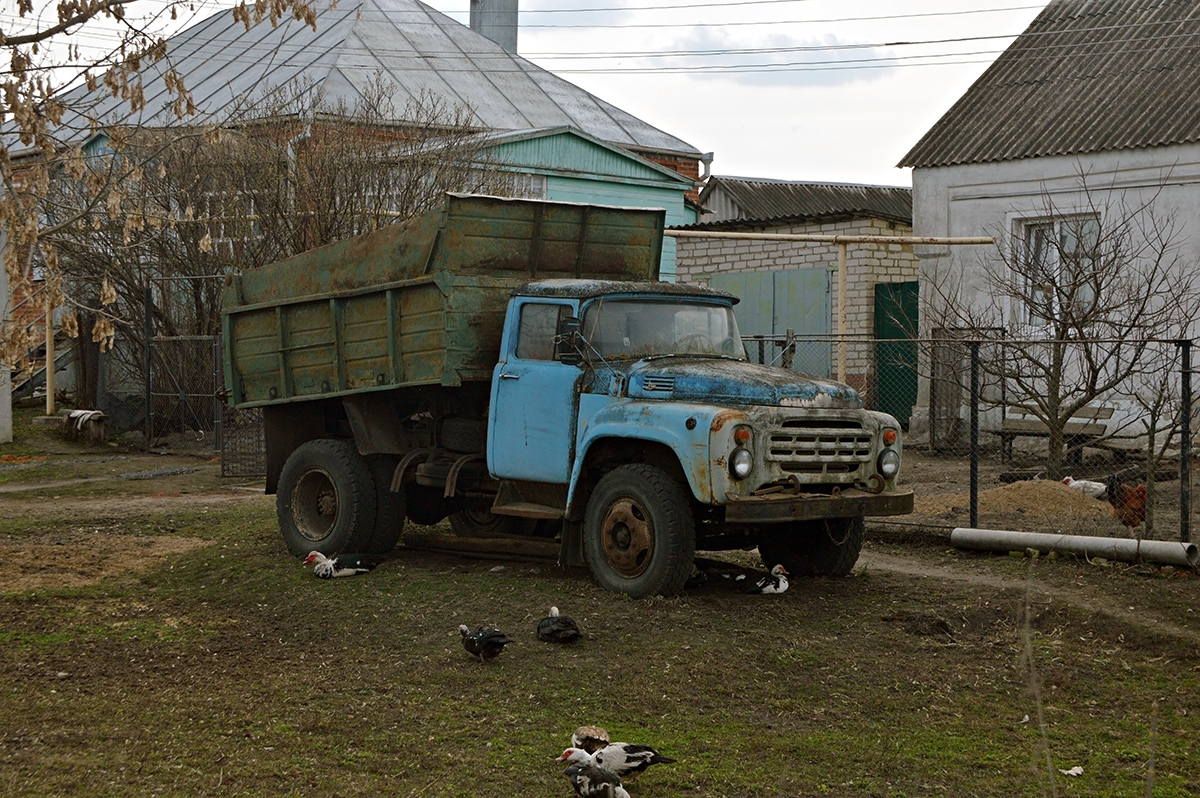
[(1093, 110)]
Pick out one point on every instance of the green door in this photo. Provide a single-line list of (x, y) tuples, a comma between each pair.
[(775, 302), (895, 350)]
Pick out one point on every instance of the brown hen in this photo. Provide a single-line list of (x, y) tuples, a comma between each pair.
[(1128, 502)]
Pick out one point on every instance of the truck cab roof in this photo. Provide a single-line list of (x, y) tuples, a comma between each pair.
[(587, 289)]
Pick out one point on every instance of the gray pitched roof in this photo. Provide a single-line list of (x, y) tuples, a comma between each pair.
[(1086, 76), (744, 199), (419, 49)]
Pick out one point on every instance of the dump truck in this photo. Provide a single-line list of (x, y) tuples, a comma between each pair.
[(517, 367)]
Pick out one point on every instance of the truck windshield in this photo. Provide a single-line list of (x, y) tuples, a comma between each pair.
[(637, 328)]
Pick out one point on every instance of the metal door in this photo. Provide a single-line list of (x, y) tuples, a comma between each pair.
[(789, 299), (896, 307), (531, 425)]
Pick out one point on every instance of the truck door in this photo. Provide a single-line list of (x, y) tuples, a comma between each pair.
[(531, 426)]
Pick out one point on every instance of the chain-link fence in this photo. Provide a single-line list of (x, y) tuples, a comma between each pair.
[(996, 427)]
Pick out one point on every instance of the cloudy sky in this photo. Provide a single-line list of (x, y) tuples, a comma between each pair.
[(828, 90)]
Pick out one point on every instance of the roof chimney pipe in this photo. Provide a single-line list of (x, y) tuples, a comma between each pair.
[(497, 20)]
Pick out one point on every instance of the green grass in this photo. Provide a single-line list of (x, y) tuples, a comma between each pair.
[(231, 670)]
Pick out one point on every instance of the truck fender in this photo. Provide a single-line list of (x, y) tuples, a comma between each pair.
[(634, 424)]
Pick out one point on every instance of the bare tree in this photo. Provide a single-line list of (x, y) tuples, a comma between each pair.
[(293, 173), (1082, 293), (45, 53)]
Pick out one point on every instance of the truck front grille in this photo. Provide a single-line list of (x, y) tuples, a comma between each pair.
[(816, 447)]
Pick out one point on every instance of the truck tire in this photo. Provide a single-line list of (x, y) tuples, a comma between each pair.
[(389, 507), (485, 524), (466, 435), (639, 536), (814, 548), (326, 499)]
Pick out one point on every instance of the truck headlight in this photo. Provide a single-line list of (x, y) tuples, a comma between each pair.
[(741, 463), (889, 463)]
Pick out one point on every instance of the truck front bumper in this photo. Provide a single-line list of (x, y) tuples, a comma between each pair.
[(779, 508)]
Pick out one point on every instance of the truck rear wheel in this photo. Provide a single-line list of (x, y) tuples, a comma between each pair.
[(814, 548), (638, 532), (486, 524), (326, 499), (389, 507)]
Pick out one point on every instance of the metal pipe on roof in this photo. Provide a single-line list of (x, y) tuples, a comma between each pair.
[(836, 239)]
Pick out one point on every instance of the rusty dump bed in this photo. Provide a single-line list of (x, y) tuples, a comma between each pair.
[(417, 303)]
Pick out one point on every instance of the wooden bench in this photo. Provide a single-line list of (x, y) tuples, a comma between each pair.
[(1084, 428)]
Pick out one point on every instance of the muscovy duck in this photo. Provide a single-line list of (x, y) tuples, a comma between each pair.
[(774, 582), (340, 564), (557, 628), (483, 643), (625, 759), (590, 738), (589, 779)]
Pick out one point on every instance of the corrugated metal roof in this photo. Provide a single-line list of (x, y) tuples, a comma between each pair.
[(420, 50), (743, 199), (1086, 76)]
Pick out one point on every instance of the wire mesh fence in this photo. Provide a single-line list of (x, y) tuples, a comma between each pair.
[(1078, 436)]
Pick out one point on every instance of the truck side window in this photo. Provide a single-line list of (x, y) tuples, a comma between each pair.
[(535, 334)]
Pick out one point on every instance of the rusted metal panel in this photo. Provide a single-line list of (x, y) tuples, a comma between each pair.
[(417, 303)]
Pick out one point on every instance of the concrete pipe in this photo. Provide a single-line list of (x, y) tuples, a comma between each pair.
[(1184, 555)]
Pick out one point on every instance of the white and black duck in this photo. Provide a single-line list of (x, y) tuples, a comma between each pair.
[(625, 759), (774, 582), (340, 565), (485, 643), (589, 779)]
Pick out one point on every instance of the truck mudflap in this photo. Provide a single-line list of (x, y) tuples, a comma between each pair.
[(781, 507)]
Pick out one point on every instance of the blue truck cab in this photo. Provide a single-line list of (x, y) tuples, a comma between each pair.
[(630, 411)]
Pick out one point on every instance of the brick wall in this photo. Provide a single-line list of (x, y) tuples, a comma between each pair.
[(866, 265)]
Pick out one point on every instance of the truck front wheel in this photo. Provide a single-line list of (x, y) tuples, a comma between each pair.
[(639, 534), (814, 548), (326, 499)]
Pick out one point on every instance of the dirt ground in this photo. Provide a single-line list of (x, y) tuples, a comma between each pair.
[(142, 482), (206, 652)]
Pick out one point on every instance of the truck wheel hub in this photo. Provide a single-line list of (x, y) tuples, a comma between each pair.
[(628, 537)]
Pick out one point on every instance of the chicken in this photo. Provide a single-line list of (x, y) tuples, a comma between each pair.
[(1128, 502), (1096, 490)]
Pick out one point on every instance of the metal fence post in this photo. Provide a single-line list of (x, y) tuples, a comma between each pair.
[(147, 338), (974, 434), (1185, 443)]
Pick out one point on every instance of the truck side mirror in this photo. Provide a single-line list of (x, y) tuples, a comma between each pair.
[(566, 341)]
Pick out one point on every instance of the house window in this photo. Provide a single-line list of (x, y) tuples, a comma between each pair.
[(1058, 270)]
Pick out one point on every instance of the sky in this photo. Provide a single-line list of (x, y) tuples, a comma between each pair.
[(816, 90), (821, 90)]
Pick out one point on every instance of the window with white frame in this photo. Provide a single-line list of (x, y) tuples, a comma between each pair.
[(1058, 269)]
